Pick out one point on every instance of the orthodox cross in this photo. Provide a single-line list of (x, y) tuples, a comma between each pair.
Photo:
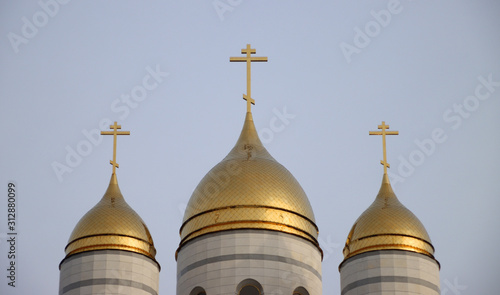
[(115, 132), (384, 132), (248, 59)]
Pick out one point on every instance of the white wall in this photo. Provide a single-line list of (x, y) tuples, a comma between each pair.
[(109, 272), (218, 262), (388, 272)]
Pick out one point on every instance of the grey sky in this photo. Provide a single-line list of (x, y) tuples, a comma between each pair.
[(429, 69)]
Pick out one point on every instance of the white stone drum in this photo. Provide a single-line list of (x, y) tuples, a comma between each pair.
[(109, 272), (267, 261), (389, 272)]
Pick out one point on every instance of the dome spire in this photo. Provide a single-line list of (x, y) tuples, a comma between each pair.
[(248, 59), (249, 142), (384, 132), (115, 132), (387, 224), (111, 224), (248, 189)]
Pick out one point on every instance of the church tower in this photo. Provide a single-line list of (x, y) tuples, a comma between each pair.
[(388, 250), (110, 251), (249, 227)]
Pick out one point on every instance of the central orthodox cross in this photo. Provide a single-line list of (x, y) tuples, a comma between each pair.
[(384, 132), (248, 59), (115, 132)]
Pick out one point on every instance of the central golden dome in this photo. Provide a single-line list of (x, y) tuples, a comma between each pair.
[(249, 189), (111, 224), (387, 225)]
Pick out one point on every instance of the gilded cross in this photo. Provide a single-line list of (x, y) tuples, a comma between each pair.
[(248, 59), (115, 132), (384, 132)]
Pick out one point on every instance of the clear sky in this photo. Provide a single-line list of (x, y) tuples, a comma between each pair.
[(429, 69)]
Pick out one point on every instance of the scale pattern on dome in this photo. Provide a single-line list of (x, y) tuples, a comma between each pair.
[(249, 189), (387, 224), (111, 224)]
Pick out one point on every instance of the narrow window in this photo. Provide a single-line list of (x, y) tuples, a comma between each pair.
[(249, 287), (300, 291), (198, 291), (249, 290)]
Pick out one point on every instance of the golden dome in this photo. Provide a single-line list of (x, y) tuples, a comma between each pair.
[(249, 189), (111, 224), (387, 225)]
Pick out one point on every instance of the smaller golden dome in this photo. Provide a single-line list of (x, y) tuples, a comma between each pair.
[(387, 225), (111, 224)]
